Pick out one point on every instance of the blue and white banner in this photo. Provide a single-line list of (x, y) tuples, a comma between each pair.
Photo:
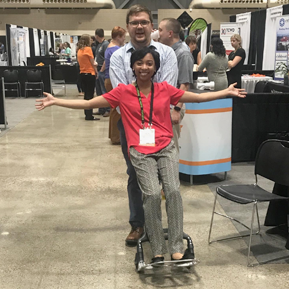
[(282, 46)]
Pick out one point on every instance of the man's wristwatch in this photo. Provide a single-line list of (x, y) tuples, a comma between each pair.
[(176, 108)]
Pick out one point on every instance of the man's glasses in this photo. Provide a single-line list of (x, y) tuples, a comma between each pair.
[(143, 23)]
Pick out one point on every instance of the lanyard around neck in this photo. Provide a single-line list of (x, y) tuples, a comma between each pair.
[(141, 105)]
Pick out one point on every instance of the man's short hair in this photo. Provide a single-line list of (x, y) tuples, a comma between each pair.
[(174, 25), (99, 32), (135, 9)]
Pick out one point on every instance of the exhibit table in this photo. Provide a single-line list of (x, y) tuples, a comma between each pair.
[(61, 61), (249, 82), (205, 141)]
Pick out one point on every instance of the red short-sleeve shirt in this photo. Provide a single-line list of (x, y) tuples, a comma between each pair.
[(125, 96)]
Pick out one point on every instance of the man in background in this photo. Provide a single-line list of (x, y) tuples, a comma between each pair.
[(99, 52), (169, 31)]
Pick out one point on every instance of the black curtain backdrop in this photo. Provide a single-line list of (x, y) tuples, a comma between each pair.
[(233, 18), (286, 9), (39, 37), (258, 20), (52, 40), (8, 44), (209, 28), (31, 42)]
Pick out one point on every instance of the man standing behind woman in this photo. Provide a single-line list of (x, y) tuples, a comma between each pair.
[(88, 70), (216, 63), (117, 40), (236, 60)]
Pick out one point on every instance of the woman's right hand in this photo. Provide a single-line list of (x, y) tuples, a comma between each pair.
[(45, 102)]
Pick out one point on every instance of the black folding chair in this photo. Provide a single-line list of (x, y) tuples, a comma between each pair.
[(11, 81), (34, 81), (272, 162), (262, 86)]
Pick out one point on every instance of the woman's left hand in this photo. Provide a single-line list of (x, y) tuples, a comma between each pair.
[(236, 91), (45, 102)]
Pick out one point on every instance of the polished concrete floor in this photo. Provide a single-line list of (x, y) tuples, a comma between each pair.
[(64, 212)]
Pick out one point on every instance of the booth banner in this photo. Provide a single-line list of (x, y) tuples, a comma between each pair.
[(14, 46), (270, 37), (73, 44), (227, 29), (36, 42), (27, 46), (282, 46), (21, 37)]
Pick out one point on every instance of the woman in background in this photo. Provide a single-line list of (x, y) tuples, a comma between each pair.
[(88, 69), (191, 41), (117, 40), (216, 64), (67, 52), (236, 60)]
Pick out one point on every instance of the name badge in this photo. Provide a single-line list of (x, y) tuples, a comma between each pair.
[(147, 137)]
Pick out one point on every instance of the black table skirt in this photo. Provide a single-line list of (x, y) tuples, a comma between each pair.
[(278, 211), (254, 117)]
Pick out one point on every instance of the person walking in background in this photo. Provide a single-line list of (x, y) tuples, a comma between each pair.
[(99, 59), (216, 64), (117, 40), (191, 41), (88, 71), (236, 60), (169, 30), (78, 81), (139, 26), (67, 52), (2, 48)]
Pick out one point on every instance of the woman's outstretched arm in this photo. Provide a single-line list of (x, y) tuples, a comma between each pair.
[(49, 100), (202, 97)]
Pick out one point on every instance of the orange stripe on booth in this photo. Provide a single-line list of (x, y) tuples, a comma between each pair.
[(204, 163), (212, 110)]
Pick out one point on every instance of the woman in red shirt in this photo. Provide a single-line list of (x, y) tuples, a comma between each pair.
[(145, 112), (87, 67)]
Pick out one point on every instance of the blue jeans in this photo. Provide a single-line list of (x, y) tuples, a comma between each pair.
[(136, 218), (100, 89)]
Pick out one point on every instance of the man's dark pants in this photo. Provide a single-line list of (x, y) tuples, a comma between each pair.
[(136, 218)]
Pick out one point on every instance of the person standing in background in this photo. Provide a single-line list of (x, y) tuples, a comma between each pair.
[(2, 48), (99, 59), (191, 41), (67, 52), (117, 40), (88, 71), (169, 30), (216, 64), (78, 81), (236, 61)]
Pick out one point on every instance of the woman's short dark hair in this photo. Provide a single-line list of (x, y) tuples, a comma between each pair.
[(218, 47), (141, 53)]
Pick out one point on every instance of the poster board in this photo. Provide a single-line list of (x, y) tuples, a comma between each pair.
[(282, 46), (227, 29)]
